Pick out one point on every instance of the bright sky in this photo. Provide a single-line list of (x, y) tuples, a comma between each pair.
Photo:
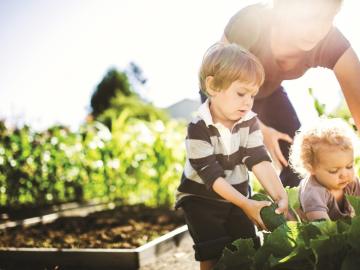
[(54, 53)]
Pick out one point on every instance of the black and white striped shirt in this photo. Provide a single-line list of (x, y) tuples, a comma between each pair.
[(215, 151)]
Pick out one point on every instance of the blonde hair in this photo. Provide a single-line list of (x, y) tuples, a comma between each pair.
[(326, 132), (227, 63)]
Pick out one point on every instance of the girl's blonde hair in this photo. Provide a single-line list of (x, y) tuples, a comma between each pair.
[(326, 132), (227, 63)]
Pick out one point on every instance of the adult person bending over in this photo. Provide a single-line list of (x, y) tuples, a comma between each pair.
[(289, 37)]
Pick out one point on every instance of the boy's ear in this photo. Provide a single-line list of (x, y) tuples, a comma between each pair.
[(209, 86)]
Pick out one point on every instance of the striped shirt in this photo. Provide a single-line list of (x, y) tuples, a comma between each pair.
[(215, 151)]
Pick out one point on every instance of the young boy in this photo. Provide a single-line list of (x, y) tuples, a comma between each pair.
[(324, 155), (222, 144)]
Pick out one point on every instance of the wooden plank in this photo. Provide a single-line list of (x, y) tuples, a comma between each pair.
[(124, 259)]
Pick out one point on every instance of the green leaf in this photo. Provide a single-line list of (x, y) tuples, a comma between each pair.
[(326, 227), (282, 240), (284, 249), (296, 263), (261, 197), (300, 256), (268, 215), (308, 231), (328, 245), (354, 233), (329, 251), (293, 196), (261, 258), (355, 203), (242, 257), (270, 218), (343, 226), (245, 246)]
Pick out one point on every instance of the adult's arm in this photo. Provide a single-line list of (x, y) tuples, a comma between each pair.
[(347, 72), (271, 141)]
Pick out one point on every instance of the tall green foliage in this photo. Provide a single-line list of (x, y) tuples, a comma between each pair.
[(341, 111), (133, 108), (138, 162)]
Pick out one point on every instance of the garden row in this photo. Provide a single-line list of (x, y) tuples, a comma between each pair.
[(137, 161)]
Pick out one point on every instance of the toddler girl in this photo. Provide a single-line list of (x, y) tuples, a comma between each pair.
[(324, 155)]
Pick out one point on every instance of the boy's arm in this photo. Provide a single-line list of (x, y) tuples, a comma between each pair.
[(201, 154), (250, 207), (266, 174), (258, 161)]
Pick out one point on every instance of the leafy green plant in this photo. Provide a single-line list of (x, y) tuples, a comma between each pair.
[(138, 162), (271, 219), (296, 245)]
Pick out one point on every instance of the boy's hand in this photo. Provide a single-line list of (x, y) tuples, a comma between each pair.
[(282, 206), (252, 210)]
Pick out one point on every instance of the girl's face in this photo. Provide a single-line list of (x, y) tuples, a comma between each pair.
[(303, 25), (335, 167), (231, 104)]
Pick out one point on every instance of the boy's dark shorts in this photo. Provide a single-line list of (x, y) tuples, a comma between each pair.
[(215, 224)]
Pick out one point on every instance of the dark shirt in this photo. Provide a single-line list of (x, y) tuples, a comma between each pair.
[(251, 28)]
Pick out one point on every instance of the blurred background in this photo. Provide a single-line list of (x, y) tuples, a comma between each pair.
[(54, 54), (95, 95), (94, 100)]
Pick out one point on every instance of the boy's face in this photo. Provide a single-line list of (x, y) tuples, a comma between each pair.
[(233, 103), (335, 167)]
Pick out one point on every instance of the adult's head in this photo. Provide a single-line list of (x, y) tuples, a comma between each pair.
[(303, 23)]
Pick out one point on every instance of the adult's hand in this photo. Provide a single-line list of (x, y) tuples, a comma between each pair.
[(271, 141)]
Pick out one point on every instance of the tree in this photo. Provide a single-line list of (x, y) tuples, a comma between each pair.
[(114, 83)]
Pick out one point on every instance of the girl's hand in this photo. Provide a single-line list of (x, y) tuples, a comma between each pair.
[(252, 210), (271, 141)]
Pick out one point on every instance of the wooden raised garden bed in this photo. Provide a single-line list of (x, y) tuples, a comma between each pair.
[(92, 237)]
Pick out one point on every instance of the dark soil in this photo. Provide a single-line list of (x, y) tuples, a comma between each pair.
[(122, 227)]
